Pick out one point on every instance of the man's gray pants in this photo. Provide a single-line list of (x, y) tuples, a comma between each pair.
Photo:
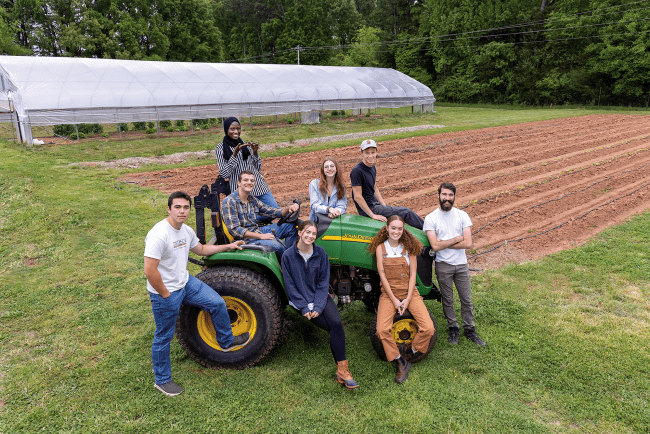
[(458, 275)]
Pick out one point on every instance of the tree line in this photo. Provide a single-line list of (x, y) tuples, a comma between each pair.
[(592, 52)]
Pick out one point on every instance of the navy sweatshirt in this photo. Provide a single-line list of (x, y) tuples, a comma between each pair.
[(306, 282)]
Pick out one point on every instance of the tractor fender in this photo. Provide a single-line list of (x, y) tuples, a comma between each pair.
[(265, 264)]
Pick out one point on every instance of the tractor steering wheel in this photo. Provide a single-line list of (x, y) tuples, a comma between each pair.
[(291, 217)]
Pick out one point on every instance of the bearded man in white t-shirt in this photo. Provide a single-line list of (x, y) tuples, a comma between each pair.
[(449, 232), (170, 284)]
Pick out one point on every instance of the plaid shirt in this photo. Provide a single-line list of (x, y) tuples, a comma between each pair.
[(240, 217)]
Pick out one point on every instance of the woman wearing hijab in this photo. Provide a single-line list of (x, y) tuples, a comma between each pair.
[(234, 156)]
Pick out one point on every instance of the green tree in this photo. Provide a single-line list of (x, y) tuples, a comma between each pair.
[(609, 64), (194, 35), (8, 42), (246, 27), (364, 51), (310, 25), (475, 53), (396, 16)]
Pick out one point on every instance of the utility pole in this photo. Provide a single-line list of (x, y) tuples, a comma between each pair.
[(298, 49)]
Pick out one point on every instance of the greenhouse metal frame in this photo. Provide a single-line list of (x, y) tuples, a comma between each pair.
[(38, 91)]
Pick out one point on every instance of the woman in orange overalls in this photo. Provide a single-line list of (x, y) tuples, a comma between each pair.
[(396, 250)]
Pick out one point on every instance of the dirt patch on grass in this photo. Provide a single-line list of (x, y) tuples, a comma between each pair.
[(531, 189), (181, 157)]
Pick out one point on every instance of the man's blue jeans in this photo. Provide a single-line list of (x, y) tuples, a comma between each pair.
[(285, 230), (165, 312), (266, 199), (409, 216)]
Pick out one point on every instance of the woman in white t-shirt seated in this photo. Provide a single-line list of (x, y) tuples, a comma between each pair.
[(327, 193)]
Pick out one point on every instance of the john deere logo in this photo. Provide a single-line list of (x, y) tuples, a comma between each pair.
[(357, 238), (348, 237)]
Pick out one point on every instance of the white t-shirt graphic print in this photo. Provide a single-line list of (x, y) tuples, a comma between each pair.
[(171, 247)]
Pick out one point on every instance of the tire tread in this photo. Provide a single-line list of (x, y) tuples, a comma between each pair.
[(252, 281)]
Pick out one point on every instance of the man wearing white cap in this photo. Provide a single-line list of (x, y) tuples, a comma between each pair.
[(365, 192)]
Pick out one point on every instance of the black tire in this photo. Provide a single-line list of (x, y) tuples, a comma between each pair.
[(254, 306), (371, 303), (404, 344)]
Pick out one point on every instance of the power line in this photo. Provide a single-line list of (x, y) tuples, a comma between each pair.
[(542, 41), (437, 38), (431, 39), (533, 42)]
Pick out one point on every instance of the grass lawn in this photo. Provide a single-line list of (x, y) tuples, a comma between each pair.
[(568, 336)]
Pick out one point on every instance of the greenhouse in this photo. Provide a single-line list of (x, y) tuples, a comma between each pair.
[(37, 91)]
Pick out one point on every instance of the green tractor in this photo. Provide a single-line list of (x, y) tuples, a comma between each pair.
[(251, 283)]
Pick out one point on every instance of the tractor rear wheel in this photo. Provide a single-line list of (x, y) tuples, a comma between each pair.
[(404, 330), (254, 307)]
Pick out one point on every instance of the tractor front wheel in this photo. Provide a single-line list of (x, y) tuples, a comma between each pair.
[(253, 306)]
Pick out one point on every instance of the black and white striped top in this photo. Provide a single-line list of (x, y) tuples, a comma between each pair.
[(232, 168)]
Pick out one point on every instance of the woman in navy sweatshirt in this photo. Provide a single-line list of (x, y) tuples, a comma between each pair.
[(306, 272)]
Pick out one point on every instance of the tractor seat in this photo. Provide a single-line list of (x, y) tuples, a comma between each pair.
[(224, 230)]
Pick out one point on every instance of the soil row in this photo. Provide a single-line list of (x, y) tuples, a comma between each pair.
[(541, 186)]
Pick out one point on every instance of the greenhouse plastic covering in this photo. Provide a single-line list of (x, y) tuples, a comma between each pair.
[(61, 90)]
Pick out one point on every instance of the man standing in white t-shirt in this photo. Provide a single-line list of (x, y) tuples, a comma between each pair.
[(169, 284), (449, 232)]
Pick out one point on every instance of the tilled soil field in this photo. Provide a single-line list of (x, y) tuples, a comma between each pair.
[(530, 189)]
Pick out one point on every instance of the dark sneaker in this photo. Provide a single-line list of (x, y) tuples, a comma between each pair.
[(169, 388), (453, 336), (240, 340), (472, 336)]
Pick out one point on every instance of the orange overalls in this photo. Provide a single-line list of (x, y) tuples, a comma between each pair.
[(397, 273)]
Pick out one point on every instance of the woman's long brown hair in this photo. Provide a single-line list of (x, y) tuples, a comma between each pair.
[(411, 244), (340, 188)]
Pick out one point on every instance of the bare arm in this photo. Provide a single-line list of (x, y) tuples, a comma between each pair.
[(209, 249), (466, 242), (154, 277), (437, 244), (361, 202), (467, 239), (290, 208), (378, 196), (258, 236)]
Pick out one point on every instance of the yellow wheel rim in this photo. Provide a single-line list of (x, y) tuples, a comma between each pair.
[(404, 331), (242, 320)]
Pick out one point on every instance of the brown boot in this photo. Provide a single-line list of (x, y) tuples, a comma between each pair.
[(344, 377), (403, 367)]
